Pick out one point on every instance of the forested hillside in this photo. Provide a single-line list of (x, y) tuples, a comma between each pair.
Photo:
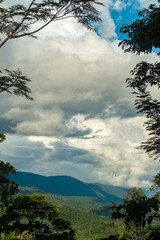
[(89, 216)]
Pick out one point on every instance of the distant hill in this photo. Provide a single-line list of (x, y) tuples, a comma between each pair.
[(68, 186), (109, 193)]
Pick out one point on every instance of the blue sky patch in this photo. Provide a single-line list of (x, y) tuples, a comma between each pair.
[(125, 16)]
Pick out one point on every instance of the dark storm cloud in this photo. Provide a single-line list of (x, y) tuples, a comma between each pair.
[(83, 107), (65, 153), (7, 126), (79, 134), (26, 153), (123, 108), (22, 152)]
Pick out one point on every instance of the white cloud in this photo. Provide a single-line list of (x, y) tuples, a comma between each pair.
[(118, 5), (68, 29), (115, 140), (146, 3), (66, 76), (109, 151), (82, 116), (80, 102), (48, 142), (106, 28)]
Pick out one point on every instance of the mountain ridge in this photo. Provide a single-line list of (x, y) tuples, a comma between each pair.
[(68, 186)]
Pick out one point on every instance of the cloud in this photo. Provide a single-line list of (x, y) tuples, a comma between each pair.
[(119, 5), (69, 78), (83, 116), (146, 3), (110, 150), (106, 28), (47, 156)]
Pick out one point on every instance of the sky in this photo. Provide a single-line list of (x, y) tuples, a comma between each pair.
[(82, 122)]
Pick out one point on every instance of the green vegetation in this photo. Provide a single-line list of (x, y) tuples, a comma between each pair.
[(87, 225), (86, 204), (90, 216), (80, 212), (19, 21), (35, 216), (137, 212), (28, 216), (8, 188)]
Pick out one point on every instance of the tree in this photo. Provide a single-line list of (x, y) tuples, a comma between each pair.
[(2, 137), (143, 36), (137, 212), (120, 236), (33, 214), (19, 21), (8, 188), (143, 33), (14, 82), (30, 216), (155, 233)]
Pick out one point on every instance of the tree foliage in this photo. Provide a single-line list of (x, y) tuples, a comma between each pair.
[(14, 82), (8, 188), (33, 214), (120, 236), (143, 33), (137, 211), (19, 21), (2, 137), (150, 109), (28, 216), (156, 181), (155, 233), (145, 74)]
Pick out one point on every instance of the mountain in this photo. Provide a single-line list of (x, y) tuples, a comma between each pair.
[(109, 193), (68, 186)]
